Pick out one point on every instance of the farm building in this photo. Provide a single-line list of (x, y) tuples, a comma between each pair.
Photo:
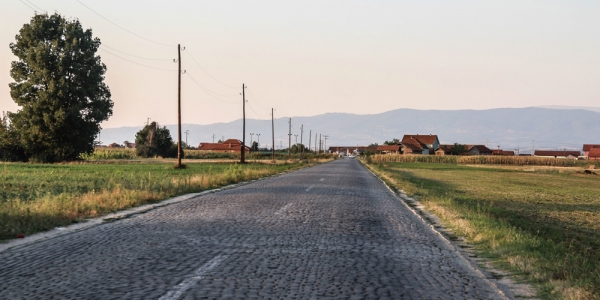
[(588, 147), (503, 153), (557, 153), (230, 145), (594, 153), (419, 144), (444, 150), (479, 150), (389, 149)]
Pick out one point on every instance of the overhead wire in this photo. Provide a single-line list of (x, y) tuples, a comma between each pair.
[(35, 6), (133, 62), (157, 59), (130, 32), (35, 10), (205, 90), (229, 86)]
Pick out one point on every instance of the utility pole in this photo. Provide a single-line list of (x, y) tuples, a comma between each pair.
[(258, 143), (315, 142), (243, 156), (179, 106), (290, 139), (213, 138), (147, 121), (325, 147), (309, 137), (186, 134), (273, 134), (302, 145), (251, 145), (320, 143)]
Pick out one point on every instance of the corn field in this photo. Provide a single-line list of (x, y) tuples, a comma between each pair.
[(483, 160)]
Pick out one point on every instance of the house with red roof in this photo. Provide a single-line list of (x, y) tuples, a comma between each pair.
[(230, 145), (389, 149), (477, 150), (594, 153), (503, 153), (588, 147), (419, 143)]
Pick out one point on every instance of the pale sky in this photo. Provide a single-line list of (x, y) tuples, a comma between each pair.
[(312, 57)]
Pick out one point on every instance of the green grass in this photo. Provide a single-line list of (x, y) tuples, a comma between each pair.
[(542, 223), (38, 197)]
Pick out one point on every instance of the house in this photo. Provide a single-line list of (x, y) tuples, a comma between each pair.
[(347, 150), (444, 150), (588, 147), (389, 149), (503, 153), (479, 150), (230, 145), (594, 153), (557, 153), (419, 144), (114, 145)]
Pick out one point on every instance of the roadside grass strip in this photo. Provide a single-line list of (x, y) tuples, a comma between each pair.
[(541, 224), (39, 197)]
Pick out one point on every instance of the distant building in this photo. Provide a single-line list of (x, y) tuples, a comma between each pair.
[(444, 150), (230, 145), (503, 153), (557, 153), (594, 153), (479, 150), (588, 147), (114, 145), (347, 150), (389, 149), (419, 144)]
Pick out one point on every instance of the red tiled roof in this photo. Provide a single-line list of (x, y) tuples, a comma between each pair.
[(413, 146), (221, 146), (594, 152), (502, 152), (445, 148), (421, 139), (389, 148), (556, 153), (587, 147)]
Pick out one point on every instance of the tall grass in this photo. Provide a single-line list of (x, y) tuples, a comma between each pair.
[(37, 197), (474, 160), (543, 226)]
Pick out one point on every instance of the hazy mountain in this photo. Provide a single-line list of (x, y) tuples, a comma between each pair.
[(507, 127)]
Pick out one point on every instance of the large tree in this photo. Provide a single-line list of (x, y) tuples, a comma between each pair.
[(59, 85), (152, 140)]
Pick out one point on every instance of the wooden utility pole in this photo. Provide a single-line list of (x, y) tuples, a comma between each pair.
[(309, 137), (290, 139), (243, 156), (179, 107), (325, 146), (320, 143), (315, 142), (302, 146), (273, 133)]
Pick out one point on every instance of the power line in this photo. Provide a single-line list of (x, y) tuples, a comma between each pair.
[(36, 6), (113, 49), (29, 6), (205, 90), (133, 62), (209, 73), (149, 40)]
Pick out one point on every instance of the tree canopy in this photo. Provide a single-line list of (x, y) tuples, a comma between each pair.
[(59, 86), (394, 141), (153, 140)]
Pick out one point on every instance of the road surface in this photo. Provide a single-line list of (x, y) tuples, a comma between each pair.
[(330, 231)]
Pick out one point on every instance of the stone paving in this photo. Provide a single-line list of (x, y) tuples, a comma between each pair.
[(333, 231)]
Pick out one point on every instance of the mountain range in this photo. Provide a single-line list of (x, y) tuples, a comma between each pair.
[(508, 128)]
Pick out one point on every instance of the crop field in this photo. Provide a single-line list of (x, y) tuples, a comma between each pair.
[(540, 223), (38, 197)]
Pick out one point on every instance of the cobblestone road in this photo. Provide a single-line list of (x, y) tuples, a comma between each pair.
[(330, 231)]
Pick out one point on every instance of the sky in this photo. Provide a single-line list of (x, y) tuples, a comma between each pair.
[(306, 58)]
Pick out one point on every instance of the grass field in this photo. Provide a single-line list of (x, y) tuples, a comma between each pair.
[(38, 197), (541, 223), (127, 153)]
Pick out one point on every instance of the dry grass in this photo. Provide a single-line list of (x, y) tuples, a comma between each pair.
[(35, 198), (543, 224), (483, 160)]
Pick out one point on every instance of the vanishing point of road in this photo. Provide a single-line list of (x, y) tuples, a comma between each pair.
[(333, 231)]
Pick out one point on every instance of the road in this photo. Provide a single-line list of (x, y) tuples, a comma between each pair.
[(330, 231)]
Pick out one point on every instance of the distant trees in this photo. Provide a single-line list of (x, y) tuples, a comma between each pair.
[(153, 141), (394, 141), (459, 149), (254, 146), (297, 148), (59, 85), (373, 145)]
